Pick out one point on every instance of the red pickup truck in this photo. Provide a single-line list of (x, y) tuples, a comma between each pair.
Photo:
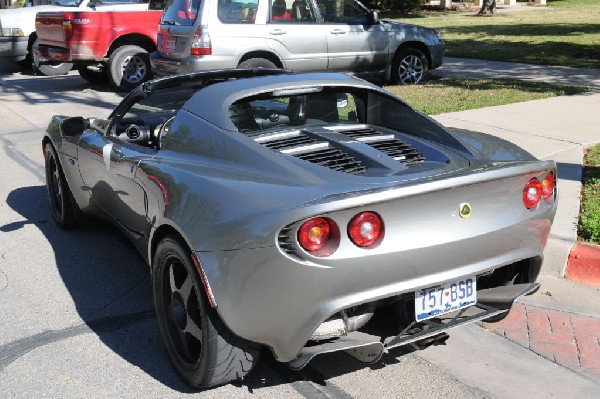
[(109, 46)]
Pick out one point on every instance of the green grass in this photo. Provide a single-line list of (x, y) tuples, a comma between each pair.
[(589, 220), (566, 32), (461, 94)]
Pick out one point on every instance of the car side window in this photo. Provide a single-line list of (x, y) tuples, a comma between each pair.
[(292, 11), (343, 11), (237, 12)]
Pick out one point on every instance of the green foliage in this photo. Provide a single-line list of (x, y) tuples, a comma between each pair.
[(401, 6), (563, 33), (589, 221)]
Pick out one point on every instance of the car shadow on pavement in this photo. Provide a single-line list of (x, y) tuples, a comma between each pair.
[(108, 282), (110, 286), (569, 171)]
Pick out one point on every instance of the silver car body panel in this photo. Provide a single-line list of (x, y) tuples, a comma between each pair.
[(238, 205)]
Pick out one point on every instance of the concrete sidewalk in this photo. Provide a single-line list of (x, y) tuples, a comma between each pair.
[(560, 322)]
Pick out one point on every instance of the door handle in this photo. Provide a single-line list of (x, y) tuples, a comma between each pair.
[(277, 32), (338, 32)]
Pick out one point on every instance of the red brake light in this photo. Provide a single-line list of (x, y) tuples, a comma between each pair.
[(201, 44), (366, 230), (67, 25), (319, 236), (548, 186), (532, 193)]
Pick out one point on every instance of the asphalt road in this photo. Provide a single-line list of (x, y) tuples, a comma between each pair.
[(76, 316)]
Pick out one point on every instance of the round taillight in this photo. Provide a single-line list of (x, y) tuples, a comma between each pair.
[(548, 186), (532, 193), (366, 229), (319, 236)]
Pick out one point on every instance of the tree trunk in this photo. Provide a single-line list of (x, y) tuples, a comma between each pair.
[(488, 7)]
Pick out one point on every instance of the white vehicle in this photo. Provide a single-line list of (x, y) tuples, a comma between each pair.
[(17, 28)]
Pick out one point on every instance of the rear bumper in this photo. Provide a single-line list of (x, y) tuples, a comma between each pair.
[(272, 299), (437, 55), (14, 47), (165, 67), (51, 54)]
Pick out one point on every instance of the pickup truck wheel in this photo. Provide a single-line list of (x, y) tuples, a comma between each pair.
[(202, 349), (257, 63), (410, 66), (94, 76), (52, 69), (129, 66)]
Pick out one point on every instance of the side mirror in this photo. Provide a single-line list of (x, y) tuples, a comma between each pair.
[(73, 126), (374, 19), (341, 100)]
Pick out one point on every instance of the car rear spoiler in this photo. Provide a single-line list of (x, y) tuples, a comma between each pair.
[(199, 78)]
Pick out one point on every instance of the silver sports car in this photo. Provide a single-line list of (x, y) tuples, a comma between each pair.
[(303, 213)]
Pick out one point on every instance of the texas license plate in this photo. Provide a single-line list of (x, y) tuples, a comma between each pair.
[(168, 44), (434, 301)]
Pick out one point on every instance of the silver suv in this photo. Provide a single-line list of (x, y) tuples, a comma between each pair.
[(301, 35)]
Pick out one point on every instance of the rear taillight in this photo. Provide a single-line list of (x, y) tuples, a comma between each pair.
[(366, 230), (201, 44), (548, 186), (67, 25), (532, 193), (319, 236)]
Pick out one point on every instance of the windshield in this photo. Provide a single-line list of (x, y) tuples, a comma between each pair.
[(76, 3), (67, 3), (323, 106)]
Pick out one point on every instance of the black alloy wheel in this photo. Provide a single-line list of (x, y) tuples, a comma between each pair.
[(201, 348)]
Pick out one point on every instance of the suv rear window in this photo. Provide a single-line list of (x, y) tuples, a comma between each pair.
[(180, 12)]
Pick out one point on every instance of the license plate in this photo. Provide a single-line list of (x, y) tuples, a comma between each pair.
[(168, 44), (434, 301)]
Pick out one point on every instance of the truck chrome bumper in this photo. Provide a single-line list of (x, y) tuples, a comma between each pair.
[(51, 54), (13, 47)]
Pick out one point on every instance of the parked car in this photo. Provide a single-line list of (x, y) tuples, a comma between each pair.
[(287, 211), (105, 46), (17, 29), (300, 35)]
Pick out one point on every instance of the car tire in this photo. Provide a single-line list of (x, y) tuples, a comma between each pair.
[(410, 66), (63, 206), (203, 351), (129, 66), (53, 69), (257, 63), (93, 76)]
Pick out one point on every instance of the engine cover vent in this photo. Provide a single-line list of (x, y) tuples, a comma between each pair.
[(388, 144), (311, 149)]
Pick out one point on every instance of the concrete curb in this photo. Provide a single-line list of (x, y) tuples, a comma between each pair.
[(583, 264)]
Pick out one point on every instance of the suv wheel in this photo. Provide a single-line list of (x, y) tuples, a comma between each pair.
[(410, 66), (129, 66), (257, 63)]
